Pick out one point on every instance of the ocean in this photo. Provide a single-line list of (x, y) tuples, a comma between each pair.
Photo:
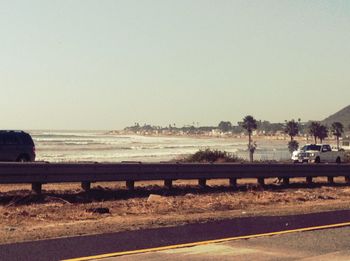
[(100, 146)]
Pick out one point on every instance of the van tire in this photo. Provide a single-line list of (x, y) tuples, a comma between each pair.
[(22, 158), (317, 160)]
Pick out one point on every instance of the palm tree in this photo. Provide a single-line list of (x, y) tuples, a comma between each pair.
[(292, 129), (322, 132), (250, 124), (313, 129), (337, 129)]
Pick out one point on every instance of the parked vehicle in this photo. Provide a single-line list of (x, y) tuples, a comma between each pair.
[(16, 146), (318, 153), (345, 144)]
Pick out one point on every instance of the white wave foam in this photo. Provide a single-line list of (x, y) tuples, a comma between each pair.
[(97, 146)]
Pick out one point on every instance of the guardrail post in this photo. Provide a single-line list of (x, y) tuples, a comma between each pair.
[(36, 187), (261, 181), (233, 182), (86, 185), (330, 180), (285, 181), (309, 180), (130, 184), (168, 183), (347, 179), (202, 183)]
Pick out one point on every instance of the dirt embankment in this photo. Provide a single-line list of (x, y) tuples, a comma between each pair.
[(64, 210)]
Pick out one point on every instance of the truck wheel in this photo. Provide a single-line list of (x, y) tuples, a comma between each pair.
[(317, 160), (338, 160)]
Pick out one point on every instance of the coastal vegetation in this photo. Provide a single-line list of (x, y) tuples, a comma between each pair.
[(227, 128), (250, 124), (292, 129), (251, 127), (313, 129), (264, 127), (224, 127), (318, 130), (293, 146), (322, 133), (208, 155), (337, 130)]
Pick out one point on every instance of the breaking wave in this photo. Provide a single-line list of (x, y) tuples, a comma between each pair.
[(99, 146)]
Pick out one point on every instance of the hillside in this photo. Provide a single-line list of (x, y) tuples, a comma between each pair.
[(342, 116)]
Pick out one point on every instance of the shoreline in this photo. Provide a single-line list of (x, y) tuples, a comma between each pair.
[(223, 137)]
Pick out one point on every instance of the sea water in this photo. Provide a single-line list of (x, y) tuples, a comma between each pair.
[(101, 146)]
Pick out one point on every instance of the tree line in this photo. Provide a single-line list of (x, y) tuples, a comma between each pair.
[(264, 126), (248, 124), (292, 128)]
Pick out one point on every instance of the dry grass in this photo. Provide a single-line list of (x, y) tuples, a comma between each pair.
[(65, 210)]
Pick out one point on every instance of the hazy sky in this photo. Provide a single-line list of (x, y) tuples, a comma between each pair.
[(107, 64)]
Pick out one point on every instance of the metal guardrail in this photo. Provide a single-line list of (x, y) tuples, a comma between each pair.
[(41, 173)]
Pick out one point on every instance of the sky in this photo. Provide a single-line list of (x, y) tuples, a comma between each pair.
[(71, 64)]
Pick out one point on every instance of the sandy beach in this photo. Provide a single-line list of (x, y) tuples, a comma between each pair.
[(102, 146)]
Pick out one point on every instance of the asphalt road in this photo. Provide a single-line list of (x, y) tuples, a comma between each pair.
[(64, 248), (318, 245)]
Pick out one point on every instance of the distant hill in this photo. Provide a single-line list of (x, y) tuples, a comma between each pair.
[(342, 116)]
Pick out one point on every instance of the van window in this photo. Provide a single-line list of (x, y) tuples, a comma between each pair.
[(9, 139), (26, 139)]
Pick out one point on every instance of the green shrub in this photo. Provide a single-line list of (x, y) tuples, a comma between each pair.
[(209, 155), (293, 145)]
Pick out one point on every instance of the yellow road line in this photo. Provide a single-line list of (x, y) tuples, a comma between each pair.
[(146, 250)]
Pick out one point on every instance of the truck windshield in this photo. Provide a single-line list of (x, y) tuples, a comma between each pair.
[(311, 147)]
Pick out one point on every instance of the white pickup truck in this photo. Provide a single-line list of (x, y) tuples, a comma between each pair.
[(318, 153)]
